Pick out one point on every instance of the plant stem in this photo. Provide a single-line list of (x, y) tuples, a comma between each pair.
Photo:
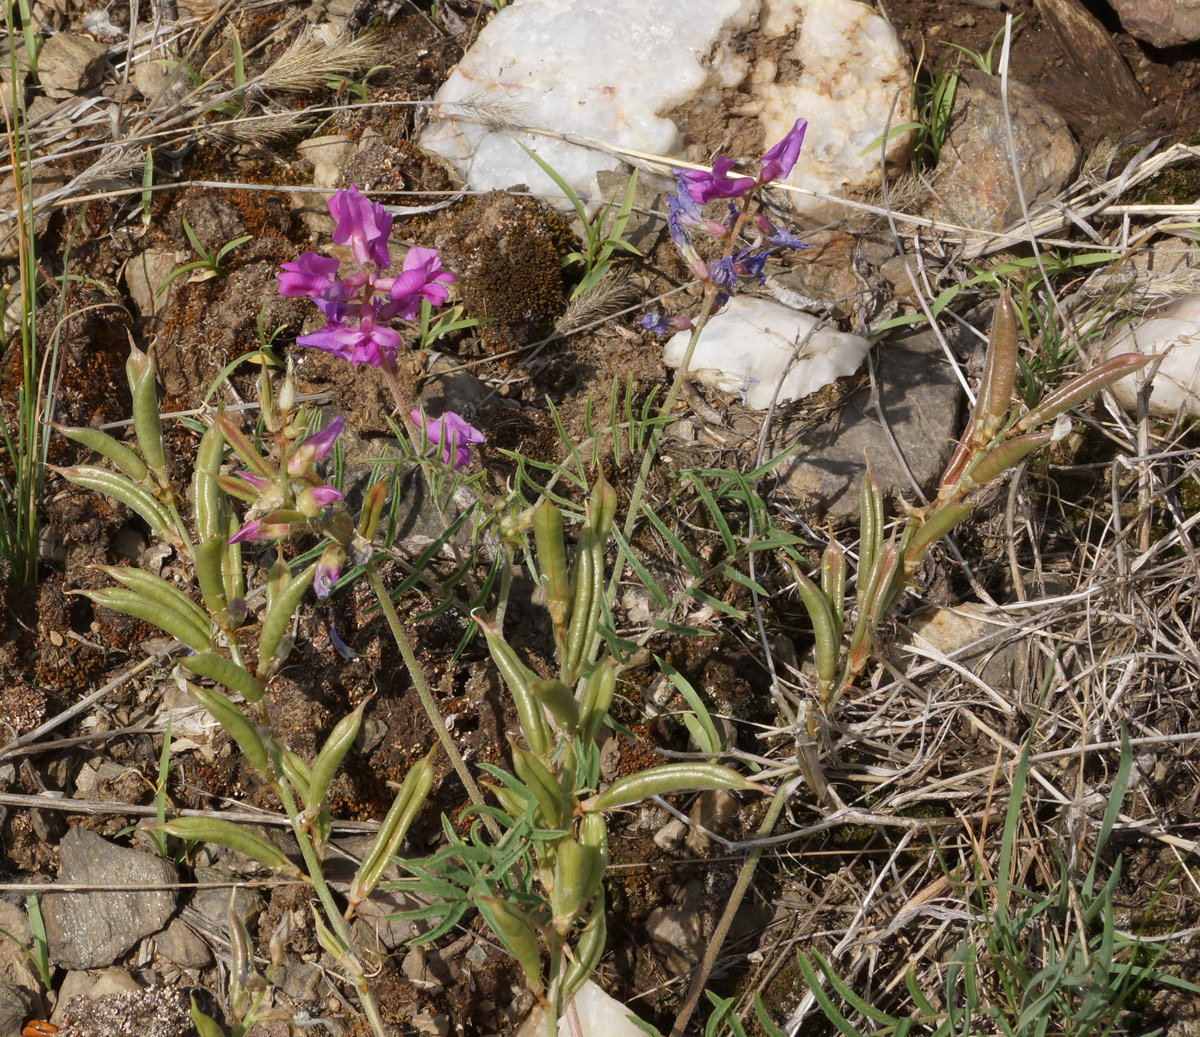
[(332, 914), (700, 977), (423, 693)]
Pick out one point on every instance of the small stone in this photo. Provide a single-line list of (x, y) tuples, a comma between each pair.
[(436, 1024), (69, 64), (146, 273), (974, 184), (18, 1005), (214, 904), (300, 980), (91, 930), (919, 396), (1161, 23), (180, 945), (671, 835)]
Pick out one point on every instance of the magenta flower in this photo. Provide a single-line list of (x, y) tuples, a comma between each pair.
[(777, 163), (704, 187), (314, 448), (316, 499), (311, 274), (329, 567), (363, 225), (276, 526), (369, 343), (451, 431), (420, 277)]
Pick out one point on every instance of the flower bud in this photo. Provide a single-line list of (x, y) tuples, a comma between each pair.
[(316, 499)]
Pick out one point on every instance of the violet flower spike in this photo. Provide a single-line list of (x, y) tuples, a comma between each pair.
[(311, 274), (363, 225), (452, 432), (260, 529), (778, 161), (704, 186), (656, 323)]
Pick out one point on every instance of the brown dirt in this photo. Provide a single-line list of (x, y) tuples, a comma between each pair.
[(57, 647)]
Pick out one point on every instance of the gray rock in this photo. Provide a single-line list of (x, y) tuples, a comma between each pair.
[(920, 397), (146, 272), (181, 946), (1161, 23), (69, 64), (91, 930), (18, 1005), (678, 931), (300, 980), (974, 184), (214, 903)]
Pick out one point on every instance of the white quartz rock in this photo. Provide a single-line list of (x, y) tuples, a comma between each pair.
[(599, 1016), (621, 71), (747, 349), (1173, 330)]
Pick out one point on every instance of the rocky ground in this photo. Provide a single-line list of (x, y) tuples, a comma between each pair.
[(1046, 581)]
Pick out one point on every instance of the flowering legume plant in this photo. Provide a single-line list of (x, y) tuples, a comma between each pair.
[(533, 865)]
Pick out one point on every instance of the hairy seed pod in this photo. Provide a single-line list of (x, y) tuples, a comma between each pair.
[(118, 453), (226, 833), (517, 934), (208, 502), (1082, 388), (209, 557), (279, 614), (602, 508), (101, 480), (666, 780), (329, 759), (413, 792), (518, 679), (147, 424), (552, 561), (827, 637), (133, 603), (542, 783), (581, 626), (229, 673), (589, 949), (236, 724), (598, 692)]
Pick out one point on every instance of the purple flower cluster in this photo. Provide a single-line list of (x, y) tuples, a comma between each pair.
[(357, 324), (694, 189)]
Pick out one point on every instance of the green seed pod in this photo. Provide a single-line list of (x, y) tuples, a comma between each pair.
[(1004, 456), (552, 561), (226, 833), (242, 446), (101, 480), (147, 425), (667, 780), (296, 771), (278, 615), (602, 508), (517, 934), (542, 783), (208, 502), (557, 698), (598, 693), (833, 580), (827, 637), (579, 867), (231, 568), (372, 509), (412, 795), (229, 673), (117, 452), (236, 723), (994, 397), (588, 950), (518, 679), (938, 525), (513, 804), (136, 604), (1082, 388), (329, 759), (209, 556), (157, 590)]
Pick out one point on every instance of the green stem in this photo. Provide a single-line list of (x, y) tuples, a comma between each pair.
[(700, 977), (332, 914), (423, 693)]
